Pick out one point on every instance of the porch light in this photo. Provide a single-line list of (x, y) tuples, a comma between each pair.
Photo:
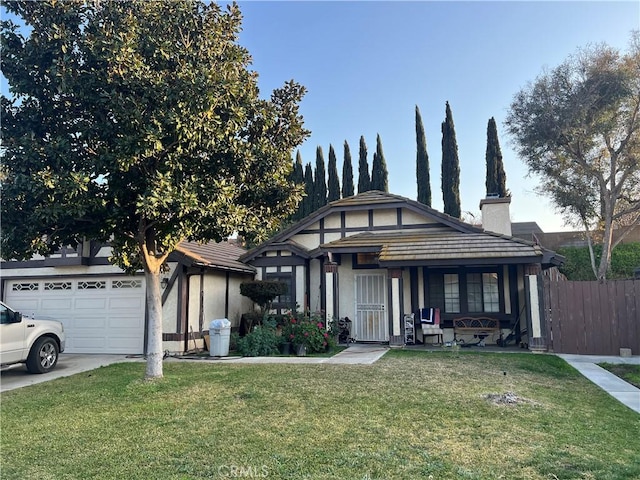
[(164, 283)]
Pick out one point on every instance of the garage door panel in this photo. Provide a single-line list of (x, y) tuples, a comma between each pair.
[(57, 304), (121, 344), (90, 303), (26, 306), (125, 323), (126, 303), (89, 341), (100, 314)]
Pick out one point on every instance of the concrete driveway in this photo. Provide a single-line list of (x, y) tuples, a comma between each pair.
[(16, 376)]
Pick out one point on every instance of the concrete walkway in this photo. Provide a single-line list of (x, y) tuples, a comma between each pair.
[(614, 386), (355, 354)]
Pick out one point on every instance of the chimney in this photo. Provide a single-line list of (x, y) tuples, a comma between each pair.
[(495, 214)]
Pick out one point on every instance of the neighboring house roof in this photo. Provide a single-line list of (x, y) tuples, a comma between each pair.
[(221, 256)]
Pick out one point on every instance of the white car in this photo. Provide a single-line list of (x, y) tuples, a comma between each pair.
[(37, 343)]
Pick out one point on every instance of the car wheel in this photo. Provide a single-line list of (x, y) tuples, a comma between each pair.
[(43, 355)]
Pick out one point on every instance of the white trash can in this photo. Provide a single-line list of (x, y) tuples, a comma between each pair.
[(219, 336)]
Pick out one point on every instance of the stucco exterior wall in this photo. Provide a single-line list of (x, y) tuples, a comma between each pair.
[(384, 218), (412, 218), (346, 289), (170, 306), (309, 241), (357, 219)]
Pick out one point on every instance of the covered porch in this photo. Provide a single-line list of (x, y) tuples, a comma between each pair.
[(385, 282)]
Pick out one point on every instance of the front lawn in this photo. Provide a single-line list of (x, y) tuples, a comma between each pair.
[(411, 415)]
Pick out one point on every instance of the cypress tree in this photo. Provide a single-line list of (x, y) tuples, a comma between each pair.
[(379, 174), (333, 185), (347, 173), (496, 178), (422, 163), (297, 177), (307, 201), (320, 184), (364, 180), (450, 167)]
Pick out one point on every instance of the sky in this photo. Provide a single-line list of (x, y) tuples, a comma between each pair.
[(366, 65)]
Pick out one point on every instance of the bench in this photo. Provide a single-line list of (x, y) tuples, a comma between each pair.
[(481, 327)]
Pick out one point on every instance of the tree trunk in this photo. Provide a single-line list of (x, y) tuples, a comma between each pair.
[(154, 340)]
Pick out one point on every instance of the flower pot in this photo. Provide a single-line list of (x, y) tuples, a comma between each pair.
[(285, 348), (301, 350)]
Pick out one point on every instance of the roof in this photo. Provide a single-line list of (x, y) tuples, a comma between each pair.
[(363, 201), (452, 242), (220, 256), (439, 248)]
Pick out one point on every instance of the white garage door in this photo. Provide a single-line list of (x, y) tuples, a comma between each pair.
[(100, 314)]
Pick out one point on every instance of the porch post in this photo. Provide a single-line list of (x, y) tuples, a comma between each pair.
[(330, 292), (395, 289)]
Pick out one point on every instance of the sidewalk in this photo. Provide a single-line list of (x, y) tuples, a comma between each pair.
[(614, 386), (355, 354)]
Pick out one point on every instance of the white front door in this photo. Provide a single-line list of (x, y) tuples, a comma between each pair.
[(371, 323)]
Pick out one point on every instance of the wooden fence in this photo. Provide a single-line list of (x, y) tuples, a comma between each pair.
[(590, 318)]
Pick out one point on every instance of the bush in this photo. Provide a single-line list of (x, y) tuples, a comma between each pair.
[(624, 259), (262, 341), (308, 330), (263, 292)]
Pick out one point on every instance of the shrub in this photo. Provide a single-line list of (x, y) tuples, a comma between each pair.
[(624, 259), (262, 341), (263, 292), (308, 330)]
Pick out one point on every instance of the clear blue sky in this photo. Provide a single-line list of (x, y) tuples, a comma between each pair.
[(367, 64)]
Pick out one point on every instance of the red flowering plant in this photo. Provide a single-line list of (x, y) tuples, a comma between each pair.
[(308, 329)]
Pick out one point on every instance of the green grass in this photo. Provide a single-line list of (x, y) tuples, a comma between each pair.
[(629, 373), (411, 415)]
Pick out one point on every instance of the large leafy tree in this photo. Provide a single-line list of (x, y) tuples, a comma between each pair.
[(450, 166), (347, 173), (333, 183), (379, 173), (496, 181), (364, 180), (577, 126), (139, 123), (422, 163)]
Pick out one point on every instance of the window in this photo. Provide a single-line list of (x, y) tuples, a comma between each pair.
[(365, 260), (464, 292), (287, 300), (451, 293), (482, 292), (474, 292), (490, 293)]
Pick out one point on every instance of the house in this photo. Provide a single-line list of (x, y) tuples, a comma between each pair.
[(378, 258), (104, 310)]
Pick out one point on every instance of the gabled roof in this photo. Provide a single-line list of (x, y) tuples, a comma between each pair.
[(449, 242), (220, 256), (373, 199)]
